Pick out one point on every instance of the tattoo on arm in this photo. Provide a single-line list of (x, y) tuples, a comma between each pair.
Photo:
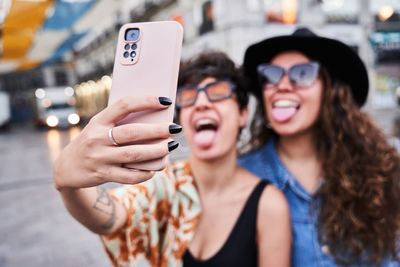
[(105, 204)]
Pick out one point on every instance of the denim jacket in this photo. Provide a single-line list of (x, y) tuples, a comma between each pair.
[(306, 250)]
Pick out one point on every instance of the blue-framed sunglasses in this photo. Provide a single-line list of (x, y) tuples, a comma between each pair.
[(215, 91), (300, 75)]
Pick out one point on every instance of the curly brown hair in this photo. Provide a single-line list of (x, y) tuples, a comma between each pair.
[(360, 212), (359, 201)]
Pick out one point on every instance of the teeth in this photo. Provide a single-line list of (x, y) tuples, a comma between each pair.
[(206, 124), (285, 104)]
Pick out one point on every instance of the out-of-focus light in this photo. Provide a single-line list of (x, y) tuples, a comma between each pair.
[(73, 133), (289, 11), (106, 81), (69, 91), (385, 12), (40, 93), (52, 121), (73, 118), (91, 83), (46, 103), (54, 143)]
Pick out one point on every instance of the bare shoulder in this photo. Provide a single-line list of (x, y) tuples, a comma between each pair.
[(273, 204), (274, 236)]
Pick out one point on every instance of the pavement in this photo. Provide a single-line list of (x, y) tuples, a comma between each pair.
[(35, 228)]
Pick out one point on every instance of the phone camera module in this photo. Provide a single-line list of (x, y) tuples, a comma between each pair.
[(132, 35), (134, 46), (126, 54), (127, 46)]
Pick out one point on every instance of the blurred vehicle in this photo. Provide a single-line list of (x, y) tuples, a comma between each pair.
[(55, 107), (5, 113)]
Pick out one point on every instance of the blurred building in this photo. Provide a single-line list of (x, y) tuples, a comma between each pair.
[(372, 28)]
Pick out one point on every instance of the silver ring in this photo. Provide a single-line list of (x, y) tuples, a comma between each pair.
[(111, 137)]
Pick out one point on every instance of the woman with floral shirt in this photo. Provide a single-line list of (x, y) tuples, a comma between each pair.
[(204, 211)]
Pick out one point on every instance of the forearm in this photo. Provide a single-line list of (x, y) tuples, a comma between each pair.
[(94, 208)]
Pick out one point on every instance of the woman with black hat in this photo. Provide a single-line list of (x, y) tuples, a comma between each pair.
[(337, 170)]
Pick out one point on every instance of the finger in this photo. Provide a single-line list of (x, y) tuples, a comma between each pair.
[(141, 152), (128, 133), (127, 105), (127, 176)]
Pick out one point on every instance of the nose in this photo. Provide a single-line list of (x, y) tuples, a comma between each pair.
[(202, 100), (284, 83)]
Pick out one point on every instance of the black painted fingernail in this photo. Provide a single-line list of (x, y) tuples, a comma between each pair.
[(172, 145), (175, 128), (165, 101)]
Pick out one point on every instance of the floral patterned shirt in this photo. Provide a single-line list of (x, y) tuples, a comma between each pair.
[(162, 215)]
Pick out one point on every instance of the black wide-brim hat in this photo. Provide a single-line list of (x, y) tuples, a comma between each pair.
[(341, 61)]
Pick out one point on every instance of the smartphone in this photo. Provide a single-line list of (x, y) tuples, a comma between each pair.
[(147, 63)]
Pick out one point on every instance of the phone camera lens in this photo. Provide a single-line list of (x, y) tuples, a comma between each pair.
[(133, 54), (132, 35), (126, 54), (127, 46), (134, 46)]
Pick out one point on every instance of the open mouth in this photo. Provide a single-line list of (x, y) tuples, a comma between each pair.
[(206, 124), (284, 110), (206, 130)]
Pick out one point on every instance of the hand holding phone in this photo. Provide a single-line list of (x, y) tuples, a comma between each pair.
[(147, 63)]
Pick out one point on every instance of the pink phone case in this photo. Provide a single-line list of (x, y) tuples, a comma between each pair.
[(148, 65)]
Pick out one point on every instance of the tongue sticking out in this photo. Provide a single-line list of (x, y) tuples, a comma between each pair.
[(283, 114), (204, 138)]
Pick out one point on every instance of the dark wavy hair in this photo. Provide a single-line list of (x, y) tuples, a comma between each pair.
[(213, 64), (359, 201)]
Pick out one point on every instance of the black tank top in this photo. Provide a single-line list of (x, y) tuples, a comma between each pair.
[(240, 249)]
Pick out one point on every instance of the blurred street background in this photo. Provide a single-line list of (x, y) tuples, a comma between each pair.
[(56, 60)]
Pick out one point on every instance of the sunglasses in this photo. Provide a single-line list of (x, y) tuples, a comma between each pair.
[(300, 75), (215, 91)]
